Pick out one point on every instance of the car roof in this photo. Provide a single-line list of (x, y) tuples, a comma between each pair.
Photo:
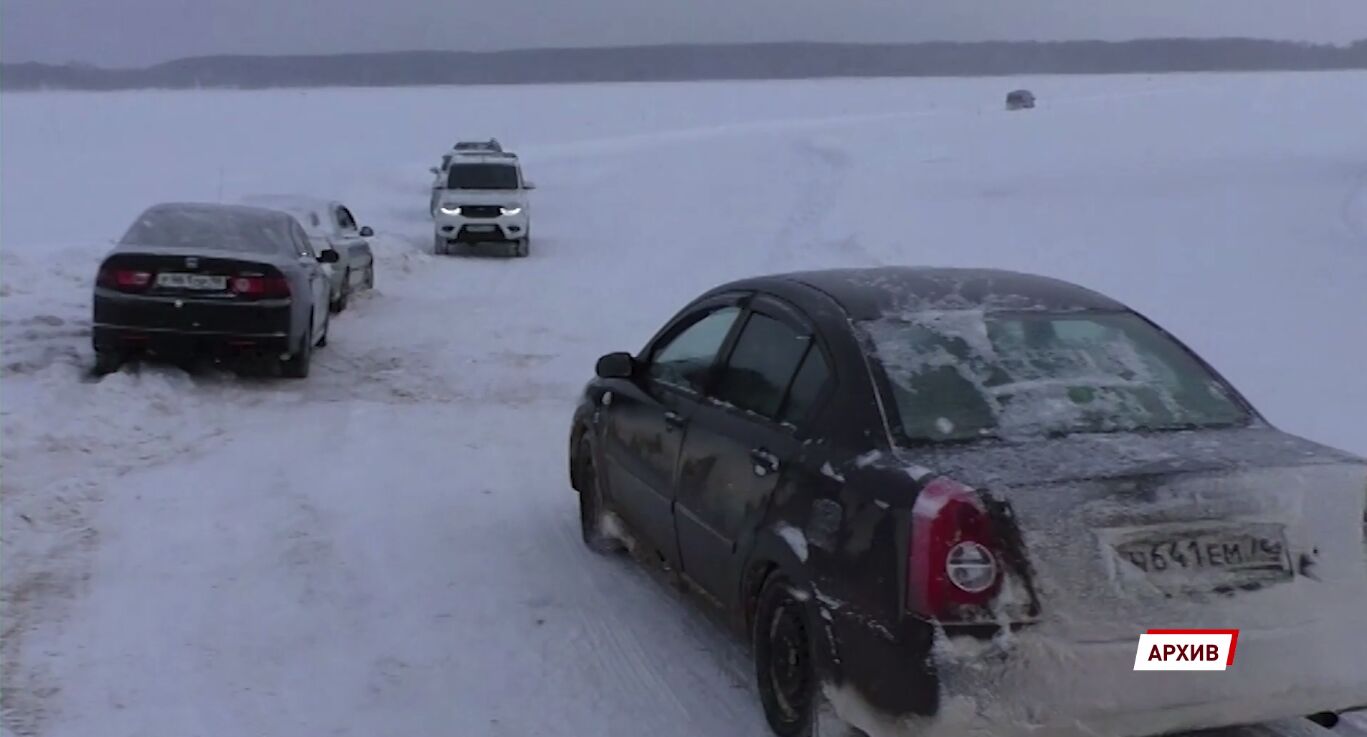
[(870, 293), (483, 157), (248, 212)]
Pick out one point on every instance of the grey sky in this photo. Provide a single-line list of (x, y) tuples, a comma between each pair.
[(138, 32)]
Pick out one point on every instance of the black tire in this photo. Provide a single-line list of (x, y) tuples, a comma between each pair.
[(370, 276), (591, 503), (297, 366), (785, 661), (323, 339), (524, 246), (339, 304), (107, 362), (439, 246)]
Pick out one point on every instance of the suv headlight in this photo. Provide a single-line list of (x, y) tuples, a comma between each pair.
[(511, 210), (451, 209)]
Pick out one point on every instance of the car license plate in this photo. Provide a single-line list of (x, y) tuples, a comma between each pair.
[(1249, 548), (481, 228), (201, 282)]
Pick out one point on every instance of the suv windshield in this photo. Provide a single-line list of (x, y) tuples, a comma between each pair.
[(482, 176), (965, 375)]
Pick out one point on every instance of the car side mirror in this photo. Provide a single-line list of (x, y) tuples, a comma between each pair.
[(616, 366), (366, 231), (528, 185), (328, 256), (434, 170)]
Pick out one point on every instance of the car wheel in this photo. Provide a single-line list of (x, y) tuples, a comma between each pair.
[(785, 667), (370, 276), (524, 246), (323, 339), (297, 366), (341, 302), (591, 511), (107, 362)]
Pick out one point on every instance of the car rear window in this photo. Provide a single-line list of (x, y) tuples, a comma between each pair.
[(216, 229), (964, 374)]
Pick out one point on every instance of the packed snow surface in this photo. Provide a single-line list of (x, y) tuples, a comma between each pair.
[(391, 547)]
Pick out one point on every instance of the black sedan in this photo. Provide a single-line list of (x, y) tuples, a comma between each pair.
[(222, 281), (941, 501)]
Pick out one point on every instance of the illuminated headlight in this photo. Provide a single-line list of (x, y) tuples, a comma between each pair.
[(451, 209), (510, 210)]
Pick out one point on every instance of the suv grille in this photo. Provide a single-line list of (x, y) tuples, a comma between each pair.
[(481, 211)]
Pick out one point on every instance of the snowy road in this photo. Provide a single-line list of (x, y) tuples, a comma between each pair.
[(390, 548)]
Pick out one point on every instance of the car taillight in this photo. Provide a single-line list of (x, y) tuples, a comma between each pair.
[(259, 285), (125, 280), (954, 565)]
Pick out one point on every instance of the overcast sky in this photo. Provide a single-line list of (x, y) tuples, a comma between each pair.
[(139, 32)]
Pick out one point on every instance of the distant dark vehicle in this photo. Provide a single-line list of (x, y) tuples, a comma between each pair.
[(1020, 100), (954, 498), (223, 281)]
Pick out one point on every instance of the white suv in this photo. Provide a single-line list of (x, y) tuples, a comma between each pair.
[(480, 197)]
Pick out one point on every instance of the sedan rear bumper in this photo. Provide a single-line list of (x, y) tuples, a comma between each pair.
[(131, 324), (1038, 682)]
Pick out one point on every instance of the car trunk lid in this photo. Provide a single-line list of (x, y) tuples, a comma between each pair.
[(1244, 528)]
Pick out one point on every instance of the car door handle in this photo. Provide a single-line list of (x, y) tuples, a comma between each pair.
[(674, 420), (765, 462)]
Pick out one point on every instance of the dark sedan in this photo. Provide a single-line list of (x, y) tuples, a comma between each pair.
[(941, 501), (222, 281)]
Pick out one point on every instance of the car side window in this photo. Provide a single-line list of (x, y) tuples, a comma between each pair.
[(807, 386), (762, 365), (685, 359), (345, 220)]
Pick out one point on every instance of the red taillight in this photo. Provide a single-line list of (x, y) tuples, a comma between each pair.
[(259, 285), (126, 280), (954, 562)]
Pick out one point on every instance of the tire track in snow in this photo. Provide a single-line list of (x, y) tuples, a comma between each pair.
[(822, 167)]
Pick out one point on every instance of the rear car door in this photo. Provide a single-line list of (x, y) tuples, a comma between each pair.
[(740, 441), (645, 420)]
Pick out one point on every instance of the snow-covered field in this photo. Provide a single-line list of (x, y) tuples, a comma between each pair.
[(391, 547)]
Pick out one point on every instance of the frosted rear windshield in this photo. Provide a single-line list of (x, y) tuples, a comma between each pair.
[(961, 375), (207, 228)]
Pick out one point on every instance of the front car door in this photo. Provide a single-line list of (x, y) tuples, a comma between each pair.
[(645, 420), (740, 442)]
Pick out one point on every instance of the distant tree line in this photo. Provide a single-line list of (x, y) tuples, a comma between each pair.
[(697, 62)]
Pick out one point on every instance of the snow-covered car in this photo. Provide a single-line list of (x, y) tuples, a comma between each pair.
[(1020, 100), (948, 502), (331, 226), (481, 198), (224, 281)]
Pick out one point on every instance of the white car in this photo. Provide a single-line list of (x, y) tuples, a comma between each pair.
[(331, 226), (479, 197)]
